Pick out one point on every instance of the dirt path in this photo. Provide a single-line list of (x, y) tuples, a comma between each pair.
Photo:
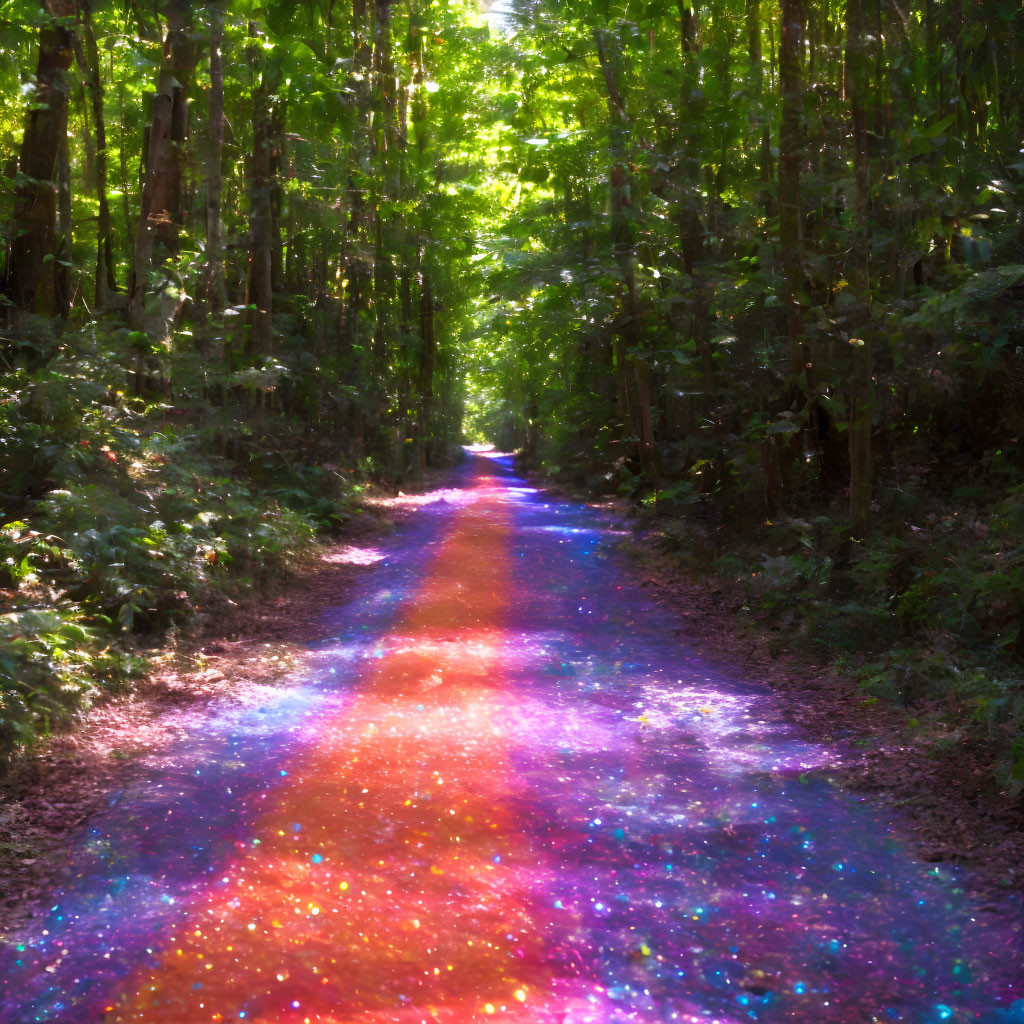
[(502, 782)]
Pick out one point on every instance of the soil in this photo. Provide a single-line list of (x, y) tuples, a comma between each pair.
[(940, 785)]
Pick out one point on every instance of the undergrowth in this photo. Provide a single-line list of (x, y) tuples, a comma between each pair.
[(129, 506), (926, 610)]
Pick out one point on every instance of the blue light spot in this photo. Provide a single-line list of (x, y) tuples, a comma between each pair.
[(317, 859), (283, 772), (799, 988), (296, 827), (944, 1012)]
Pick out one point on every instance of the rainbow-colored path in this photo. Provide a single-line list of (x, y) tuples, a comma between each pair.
[(508, 794)]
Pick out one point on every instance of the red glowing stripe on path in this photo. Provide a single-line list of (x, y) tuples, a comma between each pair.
[(387, 880)]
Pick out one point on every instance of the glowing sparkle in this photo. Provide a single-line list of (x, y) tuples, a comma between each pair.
[(493, 801)]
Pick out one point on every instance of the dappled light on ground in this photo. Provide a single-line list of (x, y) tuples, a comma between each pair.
[(507, 793), (352, 554)]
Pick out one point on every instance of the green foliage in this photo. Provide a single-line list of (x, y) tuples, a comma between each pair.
[(129, 515)]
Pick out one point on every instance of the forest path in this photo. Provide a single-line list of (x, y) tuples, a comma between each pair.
[(506, 792)]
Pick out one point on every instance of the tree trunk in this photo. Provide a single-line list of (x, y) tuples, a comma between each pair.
[(215, 293), (621, 184), (32, 278), (691, 228), (161, 214), (385, 151), (259, 292), (106, 279), (64, 238), (790, 150), (858, 273), (752, 20), (428, 359), (425, 396), (277, 166), (168, 176)]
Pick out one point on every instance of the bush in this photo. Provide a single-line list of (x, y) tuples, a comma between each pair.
[(122, 514)]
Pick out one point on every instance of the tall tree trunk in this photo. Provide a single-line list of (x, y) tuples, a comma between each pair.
[(106, 280), (782, 460), (691, 228), (122, 151), (259, 292), (858, 273), (790, 152), (277, 170), (32, 280), (168, 177), (761, 135), (428, 359), (384, 101), (64, 239), (419, 170), (215, 293), (752, 25), (621, 186), (161, 213)]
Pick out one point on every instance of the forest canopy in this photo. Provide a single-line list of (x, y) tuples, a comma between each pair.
[(757, 265)]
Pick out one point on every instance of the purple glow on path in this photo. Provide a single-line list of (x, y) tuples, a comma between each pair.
[(507, 792)]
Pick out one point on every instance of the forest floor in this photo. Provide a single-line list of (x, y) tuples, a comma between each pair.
[(941, 785), (940, 779)]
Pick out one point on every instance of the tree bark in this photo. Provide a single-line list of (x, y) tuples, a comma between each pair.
[(858, 273), (259, 292), (383, 102), (215, 293), (161, 214), (106, 280), (790, 151), (691, 227), (32, 278), (621, 186), (64, 236), (428, 343), (428, 359)]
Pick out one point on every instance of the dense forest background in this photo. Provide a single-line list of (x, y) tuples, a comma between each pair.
[(758, 266)]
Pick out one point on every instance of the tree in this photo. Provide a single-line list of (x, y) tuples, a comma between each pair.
[(34, 281), (161, 213)]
